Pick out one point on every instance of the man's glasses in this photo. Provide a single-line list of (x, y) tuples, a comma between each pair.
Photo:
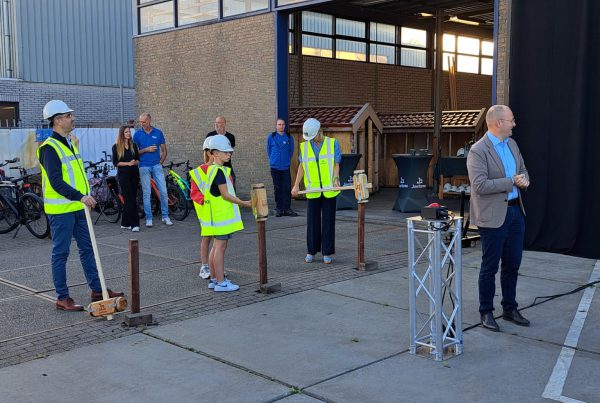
[(508, 120), (65, 115)]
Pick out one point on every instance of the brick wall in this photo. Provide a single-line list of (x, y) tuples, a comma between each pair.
[(93, 105), (390, 89), (187, 77)]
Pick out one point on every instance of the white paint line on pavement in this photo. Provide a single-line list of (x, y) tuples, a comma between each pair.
[(556, 383)]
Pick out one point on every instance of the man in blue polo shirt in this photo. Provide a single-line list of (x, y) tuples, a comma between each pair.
[(280, 148), (153, 152)]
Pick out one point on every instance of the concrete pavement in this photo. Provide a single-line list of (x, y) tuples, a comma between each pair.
[(332, 334)]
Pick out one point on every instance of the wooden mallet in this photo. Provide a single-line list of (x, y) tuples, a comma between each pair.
[(359, 185), (107, 306), (361, 192)]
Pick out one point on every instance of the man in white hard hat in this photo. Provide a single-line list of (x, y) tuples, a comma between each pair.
[(320, 158), (498, 174), (66, 194)]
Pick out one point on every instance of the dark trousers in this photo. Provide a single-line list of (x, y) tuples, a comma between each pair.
[(506, 244), (283, 188), (320, 229), (129, 187)]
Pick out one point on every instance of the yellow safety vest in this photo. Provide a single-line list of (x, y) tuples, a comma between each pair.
[(222, 216), (200, 178), (319, 175), (73, 174)]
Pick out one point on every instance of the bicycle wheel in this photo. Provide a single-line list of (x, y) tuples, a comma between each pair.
[(34, 216), (111, 208), (8, 218), (178, 207)]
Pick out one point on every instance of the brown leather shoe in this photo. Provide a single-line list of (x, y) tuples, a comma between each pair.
[(68, 305), (97, 295)]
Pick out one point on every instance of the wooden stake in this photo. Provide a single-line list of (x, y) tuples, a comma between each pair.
[(262, 253), (361, 237), (134, 275)]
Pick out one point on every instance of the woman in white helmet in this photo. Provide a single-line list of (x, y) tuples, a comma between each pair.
[(320, 158), (220, 213)]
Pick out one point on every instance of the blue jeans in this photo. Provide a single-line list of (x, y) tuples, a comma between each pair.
[(504, 243), (64, 227), (155, 171)]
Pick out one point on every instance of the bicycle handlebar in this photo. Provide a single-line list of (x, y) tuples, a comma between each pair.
[(6, 162)]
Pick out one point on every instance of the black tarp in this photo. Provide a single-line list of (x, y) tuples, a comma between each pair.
[(554, 94)]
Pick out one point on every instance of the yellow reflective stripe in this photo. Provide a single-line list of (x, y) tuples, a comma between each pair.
[(305, 161), (66, 160), (58, 201)]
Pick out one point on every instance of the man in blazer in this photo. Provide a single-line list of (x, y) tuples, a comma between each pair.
[(497, 174)]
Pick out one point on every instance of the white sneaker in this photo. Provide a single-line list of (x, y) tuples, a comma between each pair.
[(122, 227), (135, 229), (225, 286), (212, 283), (148, 223), (204, 272), (167, 221)]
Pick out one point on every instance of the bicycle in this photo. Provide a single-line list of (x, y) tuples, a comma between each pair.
[(33, 181), (105, 190), (178, 190), (177, 199), (19, 207)]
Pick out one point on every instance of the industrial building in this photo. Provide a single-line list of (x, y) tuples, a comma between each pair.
[(77, 51), (254, 60)]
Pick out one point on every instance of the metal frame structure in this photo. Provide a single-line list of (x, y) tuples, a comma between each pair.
[(436, 333)]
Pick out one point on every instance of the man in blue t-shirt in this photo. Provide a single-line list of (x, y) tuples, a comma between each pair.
[(280, 148), (153, 152)]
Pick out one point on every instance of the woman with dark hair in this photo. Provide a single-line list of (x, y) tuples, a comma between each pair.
[(126, 159)]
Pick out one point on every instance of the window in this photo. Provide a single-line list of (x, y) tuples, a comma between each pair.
[(345, 47), (413, 50), (288, 2), (317, 29), (157, 16), (468, 54), (291, 43), (190, 11), (233, 7), (487, 63), (9, 114), (383, 40)]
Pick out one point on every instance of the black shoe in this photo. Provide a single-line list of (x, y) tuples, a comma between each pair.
[(516, 317), (279, 213), (488, 322), (290, 213)]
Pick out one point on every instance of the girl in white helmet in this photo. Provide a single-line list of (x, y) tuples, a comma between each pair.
[(221, 211)]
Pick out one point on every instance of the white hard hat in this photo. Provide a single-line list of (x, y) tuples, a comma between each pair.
[(460, 152), (207, 142), (221, 143), (55, 107), (311, 128)]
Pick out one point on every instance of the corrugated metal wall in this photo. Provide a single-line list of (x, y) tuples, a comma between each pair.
[(75, 41)]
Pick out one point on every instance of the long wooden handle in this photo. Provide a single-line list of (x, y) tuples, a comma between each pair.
[(88, 217), (332, 189)]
